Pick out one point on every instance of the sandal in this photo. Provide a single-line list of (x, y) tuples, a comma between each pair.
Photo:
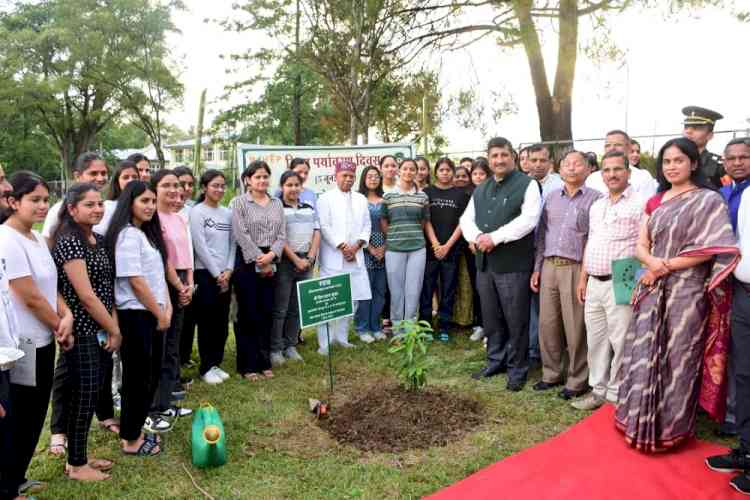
[(110, 425), (58, 445), (149, 448), (97, 475), (268, 373), (251, 377), (444, 337), (101, 464)]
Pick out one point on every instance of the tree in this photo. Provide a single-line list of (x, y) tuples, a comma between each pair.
[(271, 117), (23, 145), (444, 24), (74, 62), (346, 42)]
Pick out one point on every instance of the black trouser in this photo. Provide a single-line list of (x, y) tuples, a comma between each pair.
[(471, 267), (740, 353), (255, 311), (189, 322), (446, 271), (85, 383), (61, 388), (211, 308), (506, 299), (169, 380), (141, 367), (23, 423)]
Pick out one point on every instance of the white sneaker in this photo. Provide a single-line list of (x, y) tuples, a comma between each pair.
[(367, 338), (156, 425), (379, 336), (477, 334), (211, 377), (292, 354), (221, 373), (323, 351), (277, 358)]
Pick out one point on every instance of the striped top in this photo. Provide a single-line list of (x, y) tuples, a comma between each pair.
[(301, 224), (255, 226), (405, 213)]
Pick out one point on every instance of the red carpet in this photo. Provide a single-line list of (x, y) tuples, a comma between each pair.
[(591, 461)]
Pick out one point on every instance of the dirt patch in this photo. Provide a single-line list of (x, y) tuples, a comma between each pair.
[(391, 419)]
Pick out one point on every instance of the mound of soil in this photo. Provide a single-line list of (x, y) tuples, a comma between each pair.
[(392, 419)]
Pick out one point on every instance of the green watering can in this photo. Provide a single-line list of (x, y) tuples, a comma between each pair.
[(209, 441)]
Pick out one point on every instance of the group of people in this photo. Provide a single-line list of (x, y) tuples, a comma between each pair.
[(535, 233)]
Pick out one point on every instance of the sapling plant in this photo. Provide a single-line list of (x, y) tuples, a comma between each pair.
[(410, 343)]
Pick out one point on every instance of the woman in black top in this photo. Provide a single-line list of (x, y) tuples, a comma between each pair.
[(447, 203), (86, 279)]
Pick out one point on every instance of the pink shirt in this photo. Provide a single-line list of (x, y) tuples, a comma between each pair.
[(176, 240)]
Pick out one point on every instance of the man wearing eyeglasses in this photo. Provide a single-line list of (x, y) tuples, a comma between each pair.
[(614, 224), (640, 179)]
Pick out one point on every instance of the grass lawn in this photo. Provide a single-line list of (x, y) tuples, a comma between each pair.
[(275, 450)]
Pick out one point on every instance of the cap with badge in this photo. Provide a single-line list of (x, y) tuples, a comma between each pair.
[(696, 116)]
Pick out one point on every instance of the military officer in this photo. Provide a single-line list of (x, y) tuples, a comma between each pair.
[(698, 126)]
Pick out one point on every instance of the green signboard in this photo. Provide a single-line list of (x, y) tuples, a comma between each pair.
[(324, 299)]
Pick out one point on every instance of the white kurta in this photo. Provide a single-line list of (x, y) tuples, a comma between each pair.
[(344, 218)]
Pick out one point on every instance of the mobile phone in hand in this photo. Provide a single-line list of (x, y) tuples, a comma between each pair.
[(102, 338)]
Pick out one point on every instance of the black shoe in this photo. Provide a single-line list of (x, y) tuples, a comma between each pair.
[(741, 483), (736, 460), (543, 386), (515, 385), (489, 371), (567, 394)]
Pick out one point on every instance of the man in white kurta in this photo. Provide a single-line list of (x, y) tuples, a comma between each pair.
[(345, 230)]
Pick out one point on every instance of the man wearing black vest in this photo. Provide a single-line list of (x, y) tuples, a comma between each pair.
[(500, 221)]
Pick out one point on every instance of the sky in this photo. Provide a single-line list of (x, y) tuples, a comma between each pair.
[(695, 58)]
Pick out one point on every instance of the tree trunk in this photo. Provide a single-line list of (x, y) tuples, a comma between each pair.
[(366, 116), (297, 97), (352, 128), (554, 110), (566, 70)]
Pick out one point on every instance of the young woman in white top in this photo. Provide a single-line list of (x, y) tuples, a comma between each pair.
[(215, 251), (135, 242), (42, 318)]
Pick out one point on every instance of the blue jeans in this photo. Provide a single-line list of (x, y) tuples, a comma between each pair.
[(367, 317)]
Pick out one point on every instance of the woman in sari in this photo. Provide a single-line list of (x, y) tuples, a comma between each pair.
[(676, 345)]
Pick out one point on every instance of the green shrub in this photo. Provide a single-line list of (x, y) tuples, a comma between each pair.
[(410, 343)]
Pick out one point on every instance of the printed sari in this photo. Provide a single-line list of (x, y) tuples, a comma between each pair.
[(677, 343)]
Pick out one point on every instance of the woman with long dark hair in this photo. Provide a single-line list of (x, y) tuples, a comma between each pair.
[(86, 278), (136, 245), (367, 316), (681, 305), (300, 254), (42, 317), (260, 231), (215, 250), (177, 241)]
